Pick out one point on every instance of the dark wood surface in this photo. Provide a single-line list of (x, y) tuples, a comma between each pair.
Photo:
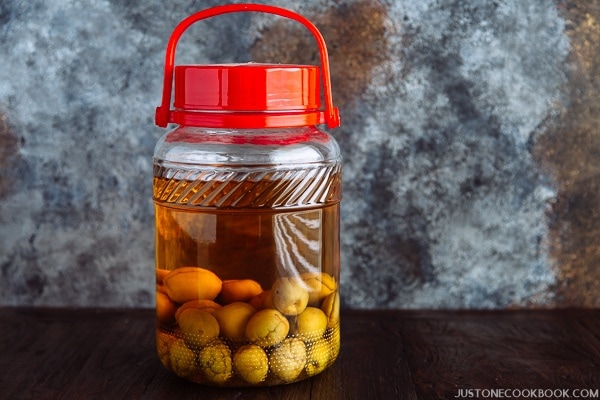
[(109, 354)]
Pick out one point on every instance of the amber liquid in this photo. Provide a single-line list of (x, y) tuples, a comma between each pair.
[(239, 242), (261, 243)]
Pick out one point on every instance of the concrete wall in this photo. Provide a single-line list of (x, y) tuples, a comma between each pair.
[(470, 134)]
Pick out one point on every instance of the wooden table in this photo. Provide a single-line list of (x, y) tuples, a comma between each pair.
[(109, 354)]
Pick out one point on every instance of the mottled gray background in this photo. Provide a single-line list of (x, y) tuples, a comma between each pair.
[(470, 134)]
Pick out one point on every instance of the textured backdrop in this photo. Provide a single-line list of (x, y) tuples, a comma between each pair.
[(470, 133)]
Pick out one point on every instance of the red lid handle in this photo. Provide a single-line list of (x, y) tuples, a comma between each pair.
[(163, 112)]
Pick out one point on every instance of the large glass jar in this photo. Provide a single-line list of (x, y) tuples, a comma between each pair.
[(247, 200)]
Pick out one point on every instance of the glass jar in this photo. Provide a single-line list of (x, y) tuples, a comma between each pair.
[(247, 197)]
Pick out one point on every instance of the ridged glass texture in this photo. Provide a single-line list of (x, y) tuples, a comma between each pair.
[(247, 169)]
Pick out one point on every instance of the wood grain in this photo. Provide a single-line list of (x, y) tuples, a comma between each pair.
[(109, 354)]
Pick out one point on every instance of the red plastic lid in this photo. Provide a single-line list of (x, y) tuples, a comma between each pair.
[(246, 95), (247, 87)]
